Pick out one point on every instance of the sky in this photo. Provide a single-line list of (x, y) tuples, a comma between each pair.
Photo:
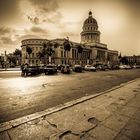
[(118, 21)]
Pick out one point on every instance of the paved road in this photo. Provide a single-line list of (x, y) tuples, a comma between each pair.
[(23, 96)]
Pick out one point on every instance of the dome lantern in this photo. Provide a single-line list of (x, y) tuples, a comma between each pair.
[(90, 13)]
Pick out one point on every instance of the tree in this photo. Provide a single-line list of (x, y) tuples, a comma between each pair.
[(48, 49), (17, 52), (80, 50), (120, 56), (67, 47), (12, 60), (124, 60), (28, 50), (2, 61)]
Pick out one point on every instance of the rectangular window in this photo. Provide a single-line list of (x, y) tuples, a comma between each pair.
[(72, 53), (61, 53), (32, 54), (36, 61)]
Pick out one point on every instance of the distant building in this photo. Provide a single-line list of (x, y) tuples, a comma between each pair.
[(133, 60), (93, 50)]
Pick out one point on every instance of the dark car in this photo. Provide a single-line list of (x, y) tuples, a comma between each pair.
[(99, 67), (50, 69), (77, 68), (41, 67), (106, 67), (102, 67), (59, 66), (115, 67), (65, 69), (32, 70)]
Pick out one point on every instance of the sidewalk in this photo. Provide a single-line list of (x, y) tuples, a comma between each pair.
[(114, 115), (10, 69)]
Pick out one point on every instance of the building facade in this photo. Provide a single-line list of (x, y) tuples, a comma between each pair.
[(133, 60), (93, 50)]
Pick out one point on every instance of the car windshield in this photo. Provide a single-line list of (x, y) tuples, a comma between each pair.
[(32, 66), (50, 66), (88, 65), (77, 66)]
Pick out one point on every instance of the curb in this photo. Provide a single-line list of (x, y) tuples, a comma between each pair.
[(8, 70), (16, 122)]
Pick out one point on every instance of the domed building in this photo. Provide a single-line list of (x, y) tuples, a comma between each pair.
[(90, 33), (94, 52), (90, 36)]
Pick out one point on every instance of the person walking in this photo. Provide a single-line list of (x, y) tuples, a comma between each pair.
[(25, 70)]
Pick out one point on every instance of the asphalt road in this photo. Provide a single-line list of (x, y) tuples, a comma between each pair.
[(21, 96)]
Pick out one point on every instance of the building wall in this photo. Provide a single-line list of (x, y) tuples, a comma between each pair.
[(93, 53), (133, 60)]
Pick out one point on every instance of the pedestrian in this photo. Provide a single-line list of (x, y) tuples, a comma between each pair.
[(25, 69), (22, 70)]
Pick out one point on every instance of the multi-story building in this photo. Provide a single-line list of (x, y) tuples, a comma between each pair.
[(133, 60), (93, 50)]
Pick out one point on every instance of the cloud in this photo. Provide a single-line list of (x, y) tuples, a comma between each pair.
[(45, 5), (5, 30), (37, 30), (47, 11), (8, 10), (27, 36), (7, 40), (65, 34), (34, 20)]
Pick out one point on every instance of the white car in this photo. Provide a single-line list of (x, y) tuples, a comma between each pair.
[(90, 68), (124, 67)]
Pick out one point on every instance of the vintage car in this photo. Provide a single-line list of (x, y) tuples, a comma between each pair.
[(32, 70), (65, 69), (50, 69), (77, 68), (90, 68)]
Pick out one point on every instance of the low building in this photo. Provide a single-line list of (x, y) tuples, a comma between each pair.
[(133, 60), (93, 50)]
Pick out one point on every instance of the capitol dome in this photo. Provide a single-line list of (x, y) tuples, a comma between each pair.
[(90, 31), (90, 20)]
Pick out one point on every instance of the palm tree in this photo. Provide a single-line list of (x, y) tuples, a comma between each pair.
[(48, 49), (28, 51), (17, 53), (67, 47), (80, 50)]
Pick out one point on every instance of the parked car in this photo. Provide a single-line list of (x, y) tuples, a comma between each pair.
[(125, 67), (65, 69), (115, 67), (59, 66), (90, 68), (77, 68), (41, 67), (138, 66), (99, 67), (106, 67), (32, 70), (50, 69)]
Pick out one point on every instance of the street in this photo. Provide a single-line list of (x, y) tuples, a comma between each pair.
[(21, 96)]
